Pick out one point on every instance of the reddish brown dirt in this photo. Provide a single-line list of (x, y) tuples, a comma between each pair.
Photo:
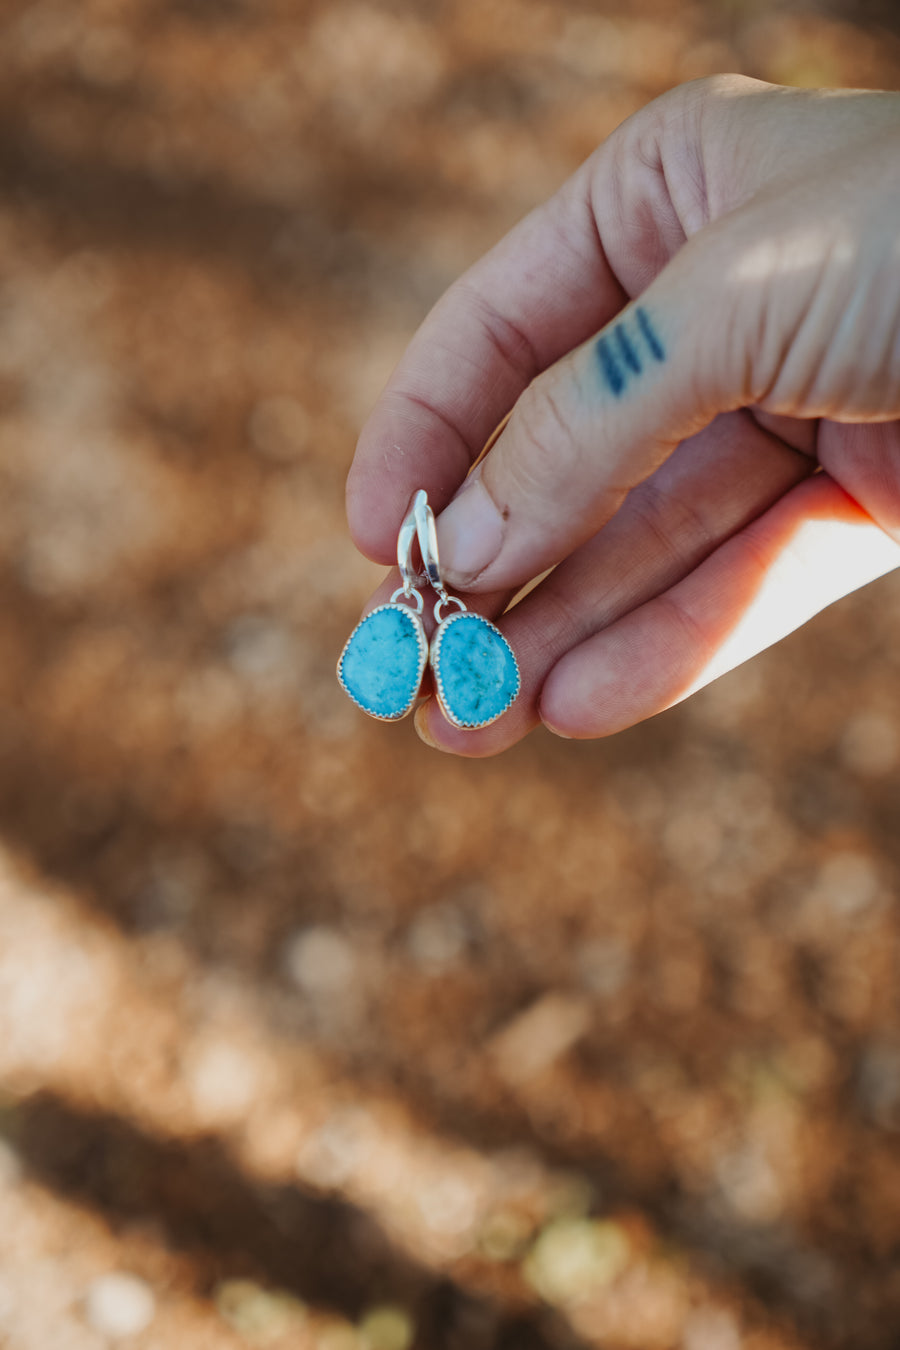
[(331, 1042)]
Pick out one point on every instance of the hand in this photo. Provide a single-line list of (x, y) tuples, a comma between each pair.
[(701, 337)]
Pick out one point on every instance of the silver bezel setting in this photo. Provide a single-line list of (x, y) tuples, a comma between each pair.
[(436, 642), (423, 661)]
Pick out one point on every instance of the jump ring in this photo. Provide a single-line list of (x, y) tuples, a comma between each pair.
[(450, 600), (409, 595)]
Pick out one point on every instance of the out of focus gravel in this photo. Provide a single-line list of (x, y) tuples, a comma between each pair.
[(310, 1038)]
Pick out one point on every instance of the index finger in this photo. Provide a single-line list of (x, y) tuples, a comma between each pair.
[(537, 294)]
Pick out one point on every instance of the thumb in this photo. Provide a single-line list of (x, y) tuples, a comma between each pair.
[(711, 333)]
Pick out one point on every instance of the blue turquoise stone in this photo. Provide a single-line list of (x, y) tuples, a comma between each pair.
[(476, 672), (381, 666)]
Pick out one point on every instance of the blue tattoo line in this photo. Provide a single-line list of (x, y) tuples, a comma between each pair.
[(612, 371), (618, 351), (629, 355), (649, 333)]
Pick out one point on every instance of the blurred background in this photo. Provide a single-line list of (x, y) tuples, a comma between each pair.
[(310, 1037)]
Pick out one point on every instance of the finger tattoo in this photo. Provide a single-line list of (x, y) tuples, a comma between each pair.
[(621, 354)]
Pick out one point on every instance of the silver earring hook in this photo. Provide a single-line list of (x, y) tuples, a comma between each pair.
[(428, 544), (405, 539)]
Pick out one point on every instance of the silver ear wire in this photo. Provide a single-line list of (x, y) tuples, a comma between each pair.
[(428, 544), (405, 539)]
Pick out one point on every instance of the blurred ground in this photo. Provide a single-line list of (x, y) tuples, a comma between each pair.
[(310, 1037)]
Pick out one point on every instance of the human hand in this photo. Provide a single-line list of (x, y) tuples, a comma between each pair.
[(706, 314)]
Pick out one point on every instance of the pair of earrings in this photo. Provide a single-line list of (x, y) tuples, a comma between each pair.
[(476, 675)]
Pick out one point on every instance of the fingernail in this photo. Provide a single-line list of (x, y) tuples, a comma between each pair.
[(470, 533), (420, 722), (555, 731)]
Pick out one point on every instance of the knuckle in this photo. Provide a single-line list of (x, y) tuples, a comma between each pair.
[(728, 84), (679, 527), (542, 426), (686, 630), (508, 339)]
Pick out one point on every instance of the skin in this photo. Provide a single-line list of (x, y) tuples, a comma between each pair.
[(699, 336)]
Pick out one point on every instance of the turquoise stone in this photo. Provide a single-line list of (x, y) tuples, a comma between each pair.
[(475, 671), (381, 666)]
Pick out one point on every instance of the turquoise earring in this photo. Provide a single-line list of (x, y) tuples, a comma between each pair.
[(384, 658), (476, 675)]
